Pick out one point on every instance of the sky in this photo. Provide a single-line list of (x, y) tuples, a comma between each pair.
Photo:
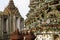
[(22, 6)]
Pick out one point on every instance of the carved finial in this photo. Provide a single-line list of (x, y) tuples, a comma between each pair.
[(11, 2)]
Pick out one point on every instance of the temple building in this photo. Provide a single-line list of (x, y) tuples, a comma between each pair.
[(10, 20), (44, 19)]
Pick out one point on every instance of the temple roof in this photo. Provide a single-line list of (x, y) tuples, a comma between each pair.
[(11, 9), (11, 4)]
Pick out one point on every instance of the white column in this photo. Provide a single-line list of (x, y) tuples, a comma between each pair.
[(7, 25), (18, 23), (14, 25)]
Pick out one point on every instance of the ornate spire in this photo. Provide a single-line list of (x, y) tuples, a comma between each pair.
[(11, 8), (11, 4)]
